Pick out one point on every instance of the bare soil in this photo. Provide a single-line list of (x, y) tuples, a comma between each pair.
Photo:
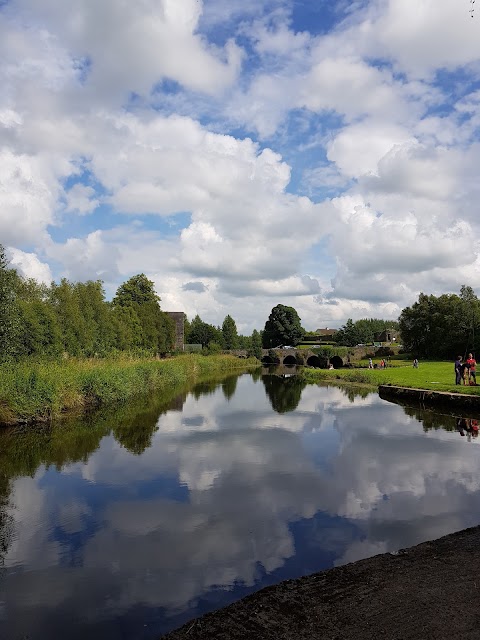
[(427, 592)]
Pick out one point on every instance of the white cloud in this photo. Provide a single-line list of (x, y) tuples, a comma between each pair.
[(29, 190), (80, 199), (85, 259), (353, 113), (358, 148), (30, 266), (159, 36)]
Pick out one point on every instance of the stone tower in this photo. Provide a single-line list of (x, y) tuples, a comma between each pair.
[(178, 318)]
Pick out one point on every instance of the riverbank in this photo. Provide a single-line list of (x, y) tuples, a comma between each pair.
[(410, 395), (427, 592), (435, 376), (38, 392)]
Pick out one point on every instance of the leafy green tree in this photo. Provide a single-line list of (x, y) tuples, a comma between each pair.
[(256, 345), (100, 333), (126, 327), (186, 330), (203, 333), (367, 328), (73, 326), (157, 329), (283, 327), (9, 312), (229, 333), (40, 331), (347, 335), (441, 327), (136, 290)]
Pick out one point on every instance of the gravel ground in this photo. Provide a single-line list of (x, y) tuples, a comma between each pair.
[(431, 591)]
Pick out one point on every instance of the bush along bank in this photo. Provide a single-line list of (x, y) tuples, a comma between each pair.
[(35, 392)]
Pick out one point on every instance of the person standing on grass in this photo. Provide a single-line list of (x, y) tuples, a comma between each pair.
[(472, 365), (415, 363), (458, 370)]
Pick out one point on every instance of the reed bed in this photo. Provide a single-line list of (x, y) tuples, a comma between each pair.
[(43, 390)]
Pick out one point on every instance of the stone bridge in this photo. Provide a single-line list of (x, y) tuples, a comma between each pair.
[(296, 357)]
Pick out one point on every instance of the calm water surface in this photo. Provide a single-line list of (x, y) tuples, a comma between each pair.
[(128, 524)]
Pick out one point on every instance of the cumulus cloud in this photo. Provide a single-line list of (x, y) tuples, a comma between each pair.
[(199, 287), (80, 199), (88, 258), (199, 146), (29, 189), (30, 266), (159, 36)]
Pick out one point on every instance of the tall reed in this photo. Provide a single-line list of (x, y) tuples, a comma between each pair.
[(42, 390)]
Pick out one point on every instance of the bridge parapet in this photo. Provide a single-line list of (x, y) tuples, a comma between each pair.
[(300, 357), (294, 357)]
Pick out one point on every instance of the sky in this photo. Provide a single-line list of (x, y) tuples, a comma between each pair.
[(320, 154)]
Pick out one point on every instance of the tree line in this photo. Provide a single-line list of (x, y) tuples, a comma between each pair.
[(76, 319), (362, 331), (214, 339), (438, 327), (442, 326)]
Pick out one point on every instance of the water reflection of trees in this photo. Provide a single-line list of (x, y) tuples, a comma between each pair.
[(284, 393), (448, 421), (355, 392), (24, 448), (229, 386), (256, 374), (6, 523), (205, 388), (430, 420)]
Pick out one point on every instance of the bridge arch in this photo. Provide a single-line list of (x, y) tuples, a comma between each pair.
[(270, 359), (290, 360), (316, 361), (337, 362)]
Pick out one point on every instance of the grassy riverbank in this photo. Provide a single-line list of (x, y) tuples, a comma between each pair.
[(438, 376), (44, 390)]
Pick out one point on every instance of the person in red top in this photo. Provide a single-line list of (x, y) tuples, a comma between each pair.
[(472, 365)]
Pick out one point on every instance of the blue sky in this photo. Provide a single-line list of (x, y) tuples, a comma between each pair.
[(318, 154)]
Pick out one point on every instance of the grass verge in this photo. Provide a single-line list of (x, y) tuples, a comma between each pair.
[(44, 390), (437, 376)]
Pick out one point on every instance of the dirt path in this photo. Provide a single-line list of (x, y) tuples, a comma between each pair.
[(427, 592)]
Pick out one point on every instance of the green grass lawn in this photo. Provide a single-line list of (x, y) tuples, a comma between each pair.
[(437, 376)]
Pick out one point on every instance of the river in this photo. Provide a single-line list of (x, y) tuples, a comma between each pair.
[(127, 524)]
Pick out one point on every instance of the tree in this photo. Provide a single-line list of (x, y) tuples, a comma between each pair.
[(283, 327), (157, 328), (73, 326), (126, 327), (203, 333), (256, 345), (441, 327), (347, 335), (40, 331), (9, 312), (136, 290), (229, 333)]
